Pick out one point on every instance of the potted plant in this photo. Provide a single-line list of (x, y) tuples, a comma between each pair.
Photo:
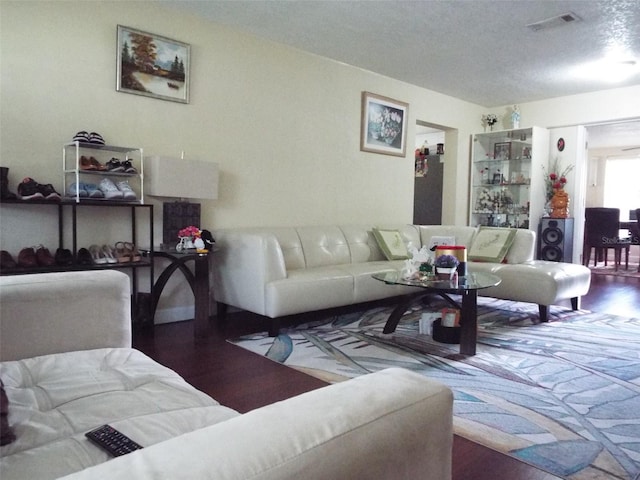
[(446, 265)]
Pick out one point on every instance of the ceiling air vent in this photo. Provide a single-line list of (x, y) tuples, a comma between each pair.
[(556, 21)]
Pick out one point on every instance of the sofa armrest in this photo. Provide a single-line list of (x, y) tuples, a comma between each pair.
[(243, 265), (393, 424), (64, 311)]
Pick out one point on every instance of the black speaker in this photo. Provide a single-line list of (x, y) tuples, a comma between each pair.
[(555, 239)]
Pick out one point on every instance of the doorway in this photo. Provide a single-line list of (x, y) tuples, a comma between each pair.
[(612, 171), (429, 174)]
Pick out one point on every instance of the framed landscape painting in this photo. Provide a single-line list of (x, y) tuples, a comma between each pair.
[(384, 125), (152, 65)]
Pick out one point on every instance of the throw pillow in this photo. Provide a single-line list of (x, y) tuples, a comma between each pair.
[(6, 433), (391, 244), (491, 244)]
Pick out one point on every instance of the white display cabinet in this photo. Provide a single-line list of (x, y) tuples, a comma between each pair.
[(507, 184)]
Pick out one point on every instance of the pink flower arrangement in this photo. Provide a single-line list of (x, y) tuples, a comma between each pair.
[(190, 231)]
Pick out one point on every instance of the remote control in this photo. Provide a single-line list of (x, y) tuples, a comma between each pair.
[(113, 441)]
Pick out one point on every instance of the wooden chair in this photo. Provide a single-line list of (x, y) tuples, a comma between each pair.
[(635, 232), (601, 231)]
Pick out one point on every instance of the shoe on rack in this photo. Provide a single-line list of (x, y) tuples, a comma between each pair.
[(84, 257), (27, 258), (44, 257), (49, 193), (97, 255), (109, 254), (109, 189), (5, 194), (82, 137), (100, 167), (127, 192), (122, 253), (128, 168), (63, 257), (114, 165), (96, 138), (28, 190), (7, 263), (77, 189), (93, 190), (133, 252), (85, 164)]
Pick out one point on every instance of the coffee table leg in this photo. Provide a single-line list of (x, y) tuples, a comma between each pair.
[(399, 311), (469, 322)]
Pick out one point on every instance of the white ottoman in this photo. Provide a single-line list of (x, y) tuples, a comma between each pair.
[(541, 282)]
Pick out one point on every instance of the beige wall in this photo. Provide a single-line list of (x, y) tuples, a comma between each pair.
[(283, 125)]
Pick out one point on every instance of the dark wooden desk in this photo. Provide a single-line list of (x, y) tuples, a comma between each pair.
[(198, 281)]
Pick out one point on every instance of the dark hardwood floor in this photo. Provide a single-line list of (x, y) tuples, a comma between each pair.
[(244, 381)]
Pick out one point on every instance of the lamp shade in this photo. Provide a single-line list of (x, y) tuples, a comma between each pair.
[(180, 178)]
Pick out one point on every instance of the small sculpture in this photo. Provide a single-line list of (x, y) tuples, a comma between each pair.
[(409, 270), (560, 204), (515, 117)]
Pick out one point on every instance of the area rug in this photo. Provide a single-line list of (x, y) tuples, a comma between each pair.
[(563, 396), (602, 269)]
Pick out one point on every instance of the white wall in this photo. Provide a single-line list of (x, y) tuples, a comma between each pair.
[(588, 108)]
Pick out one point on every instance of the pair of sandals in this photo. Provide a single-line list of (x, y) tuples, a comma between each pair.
[(122, 252), (84, 137), (127, 252)]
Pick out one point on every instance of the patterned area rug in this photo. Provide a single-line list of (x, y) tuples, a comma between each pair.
[(601, 269), (563, 396)]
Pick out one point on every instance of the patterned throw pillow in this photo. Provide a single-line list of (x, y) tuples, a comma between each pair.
[(391, 244), (491, 244)]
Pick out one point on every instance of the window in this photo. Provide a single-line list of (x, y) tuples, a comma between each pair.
[(622, 184)]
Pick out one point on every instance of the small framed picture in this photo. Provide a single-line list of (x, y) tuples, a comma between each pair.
[(497, 178), (502, 151), (450, 317), (383, 125), (152, 65)]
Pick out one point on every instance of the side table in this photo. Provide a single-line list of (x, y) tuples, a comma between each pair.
[(199, 283)]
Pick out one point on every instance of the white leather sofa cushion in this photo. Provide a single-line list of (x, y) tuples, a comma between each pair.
[(393, 424), (62, 311), (362, 244), (538, 281), (308, 289), (55, 399), (324, 246)]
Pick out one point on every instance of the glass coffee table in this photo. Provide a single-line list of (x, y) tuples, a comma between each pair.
[(467, 287)]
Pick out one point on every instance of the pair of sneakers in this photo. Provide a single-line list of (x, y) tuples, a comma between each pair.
[(84, 190), (29, 189), (117, 191)]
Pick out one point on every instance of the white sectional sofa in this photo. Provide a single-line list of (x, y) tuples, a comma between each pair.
[(279, 272), (67, 366)]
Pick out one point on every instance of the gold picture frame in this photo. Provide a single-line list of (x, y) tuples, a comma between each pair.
[(152, 65)]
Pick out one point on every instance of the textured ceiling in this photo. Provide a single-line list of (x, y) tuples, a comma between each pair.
[(477, 50)]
